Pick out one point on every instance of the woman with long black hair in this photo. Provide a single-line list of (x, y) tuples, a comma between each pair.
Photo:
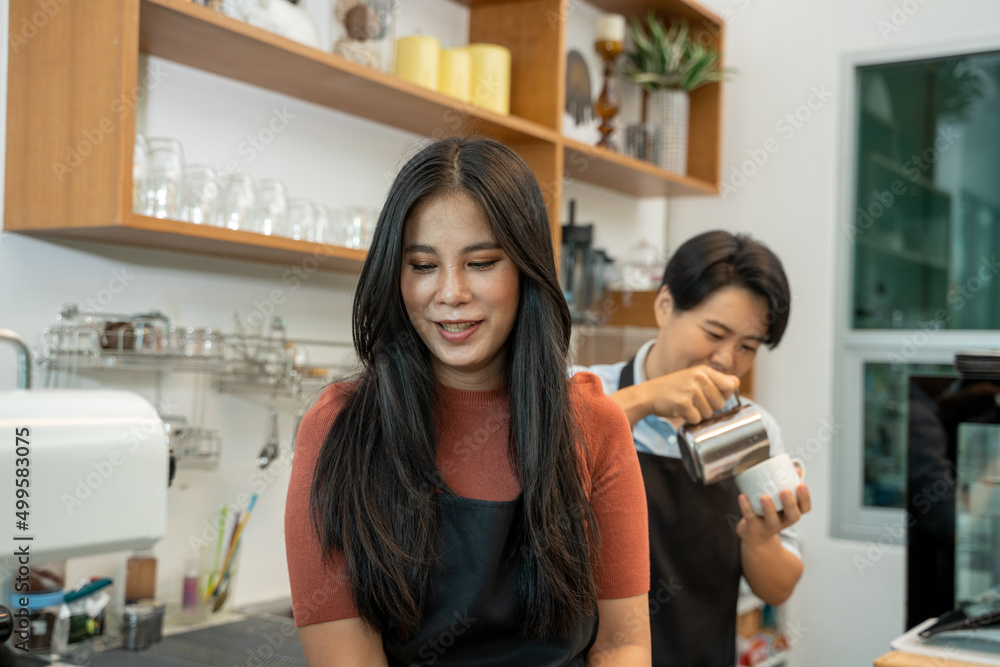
[(461, 502)]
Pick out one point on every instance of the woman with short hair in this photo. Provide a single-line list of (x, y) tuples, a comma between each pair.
[(723, 296)]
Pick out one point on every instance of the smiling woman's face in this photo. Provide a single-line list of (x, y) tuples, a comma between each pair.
[(724, 331), (460, 290)]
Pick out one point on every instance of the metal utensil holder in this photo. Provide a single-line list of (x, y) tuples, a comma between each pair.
[(142, 625)]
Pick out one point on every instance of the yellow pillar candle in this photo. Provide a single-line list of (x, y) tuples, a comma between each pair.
[(455, 79), (491, 77), (417, 59), (611, 28)]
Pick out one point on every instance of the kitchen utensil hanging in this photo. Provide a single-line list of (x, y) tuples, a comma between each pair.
[(272, 445)]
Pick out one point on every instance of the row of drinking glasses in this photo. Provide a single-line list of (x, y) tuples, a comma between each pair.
[(163, 186)]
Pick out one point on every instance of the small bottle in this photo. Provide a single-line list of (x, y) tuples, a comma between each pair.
[(190, 601)]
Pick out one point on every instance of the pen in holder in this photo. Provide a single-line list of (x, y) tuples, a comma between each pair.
[(220, 580)]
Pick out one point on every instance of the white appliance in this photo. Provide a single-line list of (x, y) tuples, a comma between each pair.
[(96, 464)]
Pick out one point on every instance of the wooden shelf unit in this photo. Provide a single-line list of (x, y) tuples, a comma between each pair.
[(599, 166), (71, 123)]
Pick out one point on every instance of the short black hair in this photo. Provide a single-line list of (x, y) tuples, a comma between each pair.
[(713, 260)]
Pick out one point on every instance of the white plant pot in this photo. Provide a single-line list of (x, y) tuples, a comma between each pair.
[(669, 109)]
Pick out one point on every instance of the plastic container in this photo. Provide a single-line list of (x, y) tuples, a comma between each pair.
[(43, 608)]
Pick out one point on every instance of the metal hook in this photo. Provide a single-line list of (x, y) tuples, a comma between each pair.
[(23, 357)]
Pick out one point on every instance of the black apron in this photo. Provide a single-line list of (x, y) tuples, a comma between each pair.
[(694, 556), (471, 617)]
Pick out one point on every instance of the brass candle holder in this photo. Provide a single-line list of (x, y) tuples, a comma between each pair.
[(607, 103)]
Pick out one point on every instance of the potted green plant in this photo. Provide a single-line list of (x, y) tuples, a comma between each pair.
[(669, 63)]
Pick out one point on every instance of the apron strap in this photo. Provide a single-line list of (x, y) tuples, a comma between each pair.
[(627, 377)]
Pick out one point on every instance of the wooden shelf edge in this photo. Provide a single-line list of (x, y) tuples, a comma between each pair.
[(174, 235), (192, 35), (624, 174), (689, 9)]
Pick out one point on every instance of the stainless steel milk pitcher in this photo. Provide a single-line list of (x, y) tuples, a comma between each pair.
[(725, 444)]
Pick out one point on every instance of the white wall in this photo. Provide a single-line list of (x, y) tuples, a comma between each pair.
[(785, 49)]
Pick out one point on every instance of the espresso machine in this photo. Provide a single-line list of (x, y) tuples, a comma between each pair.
[(86, 473)]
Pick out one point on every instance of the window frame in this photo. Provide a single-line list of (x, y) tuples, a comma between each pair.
[(853, 348)]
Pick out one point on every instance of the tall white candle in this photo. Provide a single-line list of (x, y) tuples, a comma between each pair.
[(611, 28)]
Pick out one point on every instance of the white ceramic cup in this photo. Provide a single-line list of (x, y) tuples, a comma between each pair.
[(769, 478)]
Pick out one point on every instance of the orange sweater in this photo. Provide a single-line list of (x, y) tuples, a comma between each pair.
[(472, 456)]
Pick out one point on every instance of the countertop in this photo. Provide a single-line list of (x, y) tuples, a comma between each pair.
[(260, 640), (903, 659)]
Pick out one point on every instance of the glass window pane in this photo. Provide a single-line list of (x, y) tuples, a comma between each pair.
[(885, 428), (927, 217)]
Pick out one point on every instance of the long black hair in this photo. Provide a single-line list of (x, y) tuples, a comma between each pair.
[(373, 493), (712, 260)]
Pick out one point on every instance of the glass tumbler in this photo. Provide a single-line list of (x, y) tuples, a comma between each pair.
[(201, 195), (238, 199), (139, 173), (301, 221), (355, 225), (164, 181), (372, 223), (271, 208), (642, 141), (324, 229)]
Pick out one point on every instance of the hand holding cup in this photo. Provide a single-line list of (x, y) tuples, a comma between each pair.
[(769, 478)]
